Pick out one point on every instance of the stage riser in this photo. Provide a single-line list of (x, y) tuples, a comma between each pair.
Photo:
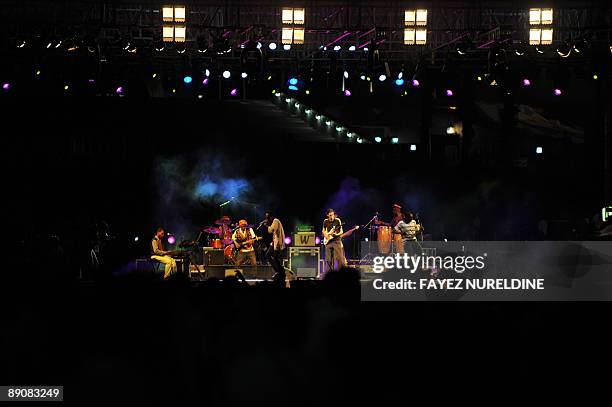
[(263, 272)]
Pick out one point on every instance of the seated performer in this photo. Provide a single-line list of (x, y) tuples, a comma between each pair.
[(159, 254), (243, 239), (334, 249), (408, 228)]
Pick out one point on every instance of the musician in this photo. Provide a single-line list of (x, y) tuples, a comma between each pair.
[(397, 217), (243, 239), (334, 249), (158, 253), (408, 229), (274, 252)]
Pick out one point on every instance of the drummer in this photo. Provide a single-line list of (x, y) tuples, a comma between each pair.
[(397, 217)]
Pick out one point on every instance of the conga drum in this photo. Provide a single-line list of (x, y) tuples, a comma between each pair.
[(383, 238), (229, 254), (398, 244)]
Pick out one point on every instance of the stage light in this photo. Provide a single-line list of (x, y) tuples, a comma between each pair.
[(307, 92), (234, 92), (119, 90), (382, 77), (362, 77), (259, 45), (413, 147), (287, 240), (293, 81), (200, 96), (227, 74), (449, 92), (595, 76), (366, 49), (317, 240), (359, 140), (207, 72), (557, 92), (288, 100), (187, 79), (378, 139), (205, 81), (244, 75), (171, 239), (339, 129), (347, 93), (346, 74), (173, 90), (294, 88), (395, 140), (526, 82), (287, 47), (416, 83), (450, 130), (272, 46), (91, 81), (479, 78), (308, 111), (318, 117), (399, 82), (328, 123), (154, 76), (539, 150), (6, 86), (37, 72), (297, 105), (136, 238), (337, 48), (66, 87), (352, 48)]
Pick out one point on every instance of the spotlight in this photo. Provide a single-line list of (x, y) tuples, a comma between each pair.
[(171, 239), (286, 47), (352, 48), (400, 75), (526, 82), (479, 78), (287, 240), (66, 87), (136, 239), (382, 77), (595, 76), (227, 74), (318, 117), (244, 75), (539, 150), (557, 92), (37, 72), (272, 46), (200, 96), (294, 88), (234, 92), (346, 74), (308, 111), (154, 76), (119, 90), (337, 48), (307, 92), (328, 123), (362, 77), (350, 135), (297, 105), (347, 92), (449, 92), (412, 147), (258, 45), (205, 81), (416, 83), (339, 129), (6, 86), (187, 79), (207, 72), (317, 240), (395, 140), (359, 140), (450, 130), (399, 82), (378, 139), (288, 100), (293, 81)]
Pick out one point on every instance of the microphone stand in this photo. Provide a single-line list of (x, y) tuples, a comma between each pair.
[(369, 226)]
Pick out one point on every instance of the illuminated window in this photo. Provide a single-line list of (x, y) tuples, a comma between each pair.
[(293, 26), (174, 33), (412, 34), (539, 20)]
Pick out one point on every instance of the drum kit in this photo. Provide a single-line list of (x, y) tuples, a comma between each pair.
[(219, 237)]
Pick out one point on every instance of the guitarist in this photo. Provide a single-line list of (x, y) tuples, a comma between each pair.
[(334, 250), (243, 238)]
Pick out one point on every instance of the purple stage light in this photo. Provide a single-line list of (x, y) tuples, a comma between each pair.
[(526, 82), (317, 240), (234, 92), (6, 86), (449, 92), (347, 92), (557, 92), (416, 83), (171, 239), (119, 90), (205, 82), (91, 81), (287, 240)]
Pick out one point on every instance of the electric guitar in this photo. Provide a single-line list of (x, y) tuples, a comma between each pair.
[(331, 237), (238, 245)]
